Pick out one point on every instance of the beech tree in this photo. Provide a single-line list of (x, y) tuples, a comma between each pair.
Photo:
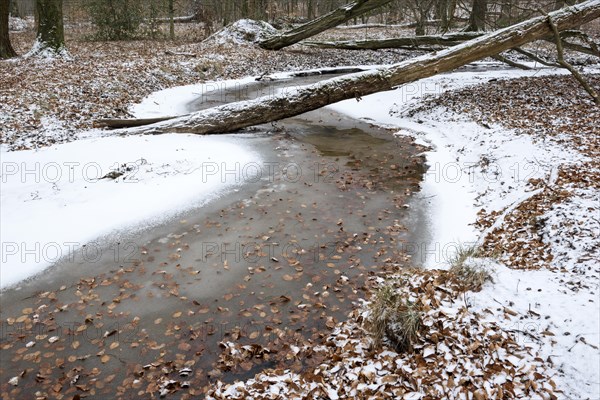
[(50, 29), (6, 49), (478, 16)]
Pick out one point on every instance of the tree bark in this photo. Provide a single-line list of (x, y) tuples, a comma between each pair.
[(128, 123), (478, 16), (234, 116), (327, 21), (451, 39), (50, 31), (6, 49), (442, 15), (171, 6)]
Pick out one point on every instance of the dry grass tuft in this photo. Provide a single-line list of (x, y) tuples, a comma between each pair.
[(468, 274), (394, 318)]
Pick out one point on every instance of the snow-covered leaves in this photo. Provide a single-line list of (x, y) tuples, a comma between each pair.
[(556, 111), (456, 356)]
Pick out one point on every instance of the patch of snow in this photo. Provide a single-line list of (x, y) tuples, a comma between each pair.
[(555, 318), (572, 229), (17, 24), (173, 101), (55, 200), (42, 51), (244, 31)]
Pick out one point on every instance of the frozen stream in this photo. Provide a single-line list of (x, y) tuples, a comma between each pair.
[(287, 254)]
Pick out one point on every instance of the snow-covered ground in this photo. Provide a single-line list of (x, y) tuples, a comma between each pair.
[(54, 200), (555, 313), (73, 198), (58, 201), (474, 167)]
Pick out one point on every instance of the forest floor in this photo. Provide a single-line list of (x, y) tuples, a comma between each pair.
[(533, 146), (513, 182)]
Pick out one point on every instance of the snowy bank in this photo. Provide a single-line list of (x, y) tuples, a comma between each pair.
[(58, 199), (55, 201), (458, 171), (474, 167)]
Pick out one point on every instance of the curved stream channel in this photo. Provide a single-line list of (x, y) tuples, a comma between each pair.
[(277, 262)]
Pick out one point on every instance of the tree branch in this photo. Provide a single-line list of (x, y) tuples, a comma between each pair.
[(510, 62), (534, 57), (569, 67)]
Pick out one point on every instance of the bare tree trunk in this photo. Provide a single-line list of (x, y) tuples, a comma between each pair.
[(442, 14), (6, 49), (451, 11), (506, 13), (420, 10), (50, 31), (334, 18), (171, 19), (310, 9), (420, 28), (478, 16), (234, 116)]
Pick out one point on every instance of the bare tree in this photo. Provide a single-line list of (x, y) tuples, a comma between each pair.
[(420, 10), (478, 16), (171, 7), (6, 49), (50, 28)]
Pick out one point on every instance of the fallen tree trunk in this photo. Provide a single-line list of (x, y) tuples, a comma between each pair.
[(451, 39), (327, 21), (579, 48), (534, 57), (510, 62), (234, 116), (180, 20), (128, 123), (430, 22), (422, 43)]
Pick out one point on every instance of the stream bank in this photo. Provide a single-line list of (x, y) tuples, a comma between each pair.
[(277, 262)]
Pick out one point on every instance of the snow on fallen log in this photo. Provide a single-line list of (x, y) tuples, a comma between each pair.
[(451, 39), (321, 24)]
